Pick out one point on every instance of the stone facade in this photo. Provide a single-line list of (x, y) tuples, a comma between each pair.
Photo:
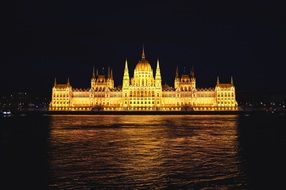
[(143, 92)]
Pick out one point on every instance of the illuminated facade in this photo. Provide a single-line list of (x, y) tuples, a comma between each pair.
[(143, 92)]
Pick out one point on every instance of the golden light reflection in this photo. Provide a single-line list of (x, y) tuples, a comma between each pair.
[(145, 148)]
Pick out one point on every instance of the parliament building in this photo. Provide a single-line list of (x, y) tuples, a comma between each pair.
[(143, 92)]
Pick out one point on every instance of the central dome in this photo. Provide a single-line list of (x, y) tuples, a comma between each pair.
[(143, 64)]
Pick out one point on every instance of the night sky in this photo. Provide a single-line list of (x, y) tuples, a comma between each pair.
[(45, 39)]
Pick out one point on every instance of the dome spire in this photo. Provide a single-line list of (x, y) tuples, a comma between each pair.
[(143, 52)]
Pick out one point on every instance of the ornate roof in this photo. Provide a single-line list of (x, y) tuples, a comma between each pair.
[(143, 65), (185, 78), (62, 86), (224, 85)]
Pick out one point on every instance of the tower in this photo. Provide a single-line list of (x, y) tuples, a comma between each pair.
[(125, 86), (158, 87), (193, 79), (126, 79), (177, 78), (93, 79), (110, 81), (158, 80)]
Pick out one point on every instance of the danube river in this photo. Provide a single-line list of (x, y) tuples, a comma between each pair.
[(143, 152)]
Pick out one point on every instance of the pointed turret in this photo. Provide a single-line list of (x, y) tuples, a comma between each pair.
[(125, 86), (110, 78), (177, 79), (97, 72), (158, 85), (68, 81), (193, 79), (158, 76), (231, 80), (126, 72), (55, 82), (126, 81), (158, 72), (93, 79)]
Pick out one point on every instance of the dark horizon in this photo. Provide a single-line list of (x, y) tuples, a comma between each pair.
[(66, 39)]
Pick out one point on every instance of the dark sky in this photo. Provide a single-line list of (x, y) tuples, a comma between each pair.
[(47, 39)]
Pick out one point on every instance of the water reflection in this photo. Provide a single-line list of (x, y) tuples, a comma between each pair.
[(145, 152)]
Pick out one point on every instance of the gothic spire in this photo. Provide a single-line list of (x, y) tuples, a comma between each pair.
[(231, 80), (68, 81), (126, 72), (55, 82), (158, 64), (158, 72), (177, 72), (143, 52)]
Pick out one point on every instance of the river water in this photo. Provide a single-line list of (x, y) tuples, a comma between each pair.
[(143, 152)]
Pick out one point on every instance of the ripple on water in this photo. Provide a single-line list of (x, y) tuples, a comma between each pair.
[(144, 152)]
